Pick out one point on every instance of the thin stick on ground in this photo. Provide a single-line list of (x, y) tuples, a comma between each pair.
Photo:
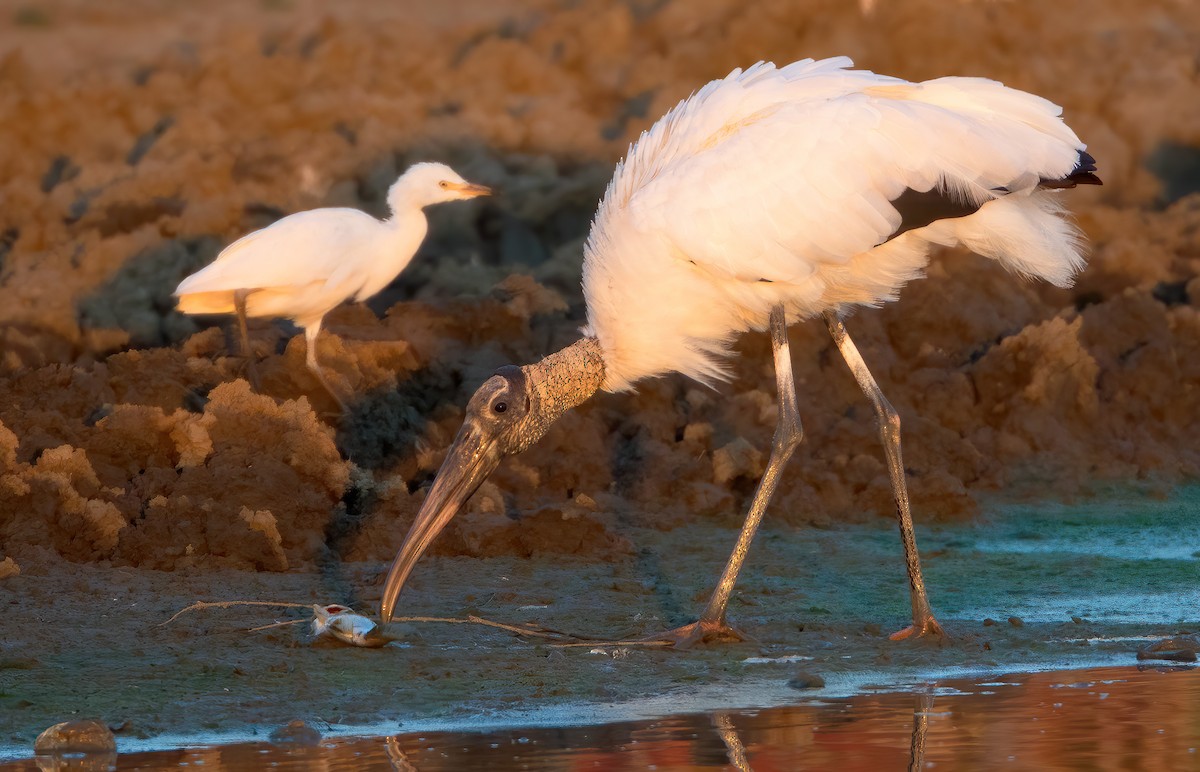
[(276, 624), (634, 642), (530, 630), (203, 604), (535, 632)]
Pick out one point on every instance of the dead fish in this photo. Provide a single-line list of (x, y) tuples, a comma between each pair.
[(342, 623)]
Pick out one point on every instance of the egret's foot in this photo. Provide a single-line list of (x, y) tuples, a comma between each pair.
[(926, 627), (343, 409), (704, 631), (251, 374), (316, 370)]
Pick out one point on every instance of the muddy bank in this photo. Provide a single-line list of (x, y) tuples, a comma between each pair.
[(154, 134), (164, 458)]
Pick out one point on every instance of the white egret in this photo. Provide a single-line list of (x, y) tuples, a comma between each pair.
[(766, 198), (307, 263)]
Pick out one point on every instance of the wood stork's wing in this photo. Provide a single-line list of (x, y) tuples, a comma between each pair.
[(303, 248), (806, 164)]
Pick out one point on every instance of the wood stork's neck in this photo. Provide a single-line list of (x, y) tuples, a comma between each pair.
[(561, 381)]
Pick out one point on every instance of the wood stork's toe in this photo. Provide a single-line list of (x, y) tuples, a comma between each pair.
[(703, 631), (927, 628)]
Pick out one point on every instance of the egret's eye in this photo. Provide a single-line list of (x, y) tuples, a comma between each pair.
[(500, 407), (443, 184)]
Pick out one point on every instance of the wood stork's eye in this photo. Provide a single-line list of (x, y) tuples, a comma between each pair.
[(500, 407), (443, 184)]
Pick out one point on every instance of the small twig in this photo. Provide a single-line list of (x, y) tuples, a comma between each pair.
[(471, 619), (529, 629), (636, 642), (276, 624), (203, 604)]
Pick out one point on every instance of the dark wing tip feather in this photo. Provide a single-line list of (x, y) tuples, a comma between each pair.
[(1082, 174)]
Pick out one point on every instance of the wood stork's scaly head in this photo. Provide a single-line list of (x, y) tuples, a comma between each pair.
[(510, 412), (425, 184)]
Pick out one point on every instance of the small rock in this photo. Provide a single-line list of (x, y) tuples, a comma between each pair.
[(1016, 621), (1077, 620), (989, 622), (9, 567), (19, 663), (1171, 649), (298, 734), (82, 736), (1188, 643), (806, 680), (1182, 655)]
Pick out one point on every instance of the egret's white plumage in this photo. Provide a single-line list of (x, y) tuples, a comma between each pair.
[(771, 196), (307, 263), (775, 186)]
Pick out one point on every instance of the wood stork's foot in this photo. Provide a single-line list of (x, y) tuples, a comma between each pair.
[(703, 631), (926, 627)]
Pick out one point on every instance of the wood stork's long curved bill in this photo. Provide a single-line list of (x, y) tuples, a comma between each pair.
[(511, 410), (475, 453)]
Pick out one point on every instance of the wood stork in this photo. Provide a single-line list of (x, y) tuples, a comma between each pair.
[(766, 198), (307, 263)]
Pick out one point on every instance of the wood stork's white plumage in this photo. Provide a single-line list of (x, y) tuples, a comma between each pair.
[(307, 263), (769, 197)]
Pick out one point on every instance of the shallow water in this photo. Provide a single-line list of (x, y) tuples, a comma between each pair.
[(1099, 719)]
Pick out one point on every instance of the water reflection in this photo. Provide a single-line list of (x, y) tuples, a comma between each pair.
[(733, 742), (920, 730), (1114, 718), (395, 753)]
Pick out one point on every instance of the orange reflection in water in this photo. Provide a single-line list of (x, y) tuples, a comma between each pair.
[(1113, 718)]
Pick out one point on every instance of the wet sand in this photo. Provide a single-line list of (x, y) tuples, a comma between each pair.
[(818, 601)]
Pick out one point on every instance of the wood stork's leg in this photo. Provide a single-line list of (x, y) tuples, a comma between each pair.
[(239, 305), (889, 430), (788, 434), (310, 339)]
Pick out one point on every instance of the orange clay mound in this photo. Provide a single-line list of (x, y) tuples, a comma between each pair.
[(145, 136)]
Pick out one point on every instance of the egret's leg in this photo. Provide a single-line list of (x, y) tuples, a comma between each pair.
[(239, 305), (310, 338), (788, 433), (889, 430)]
